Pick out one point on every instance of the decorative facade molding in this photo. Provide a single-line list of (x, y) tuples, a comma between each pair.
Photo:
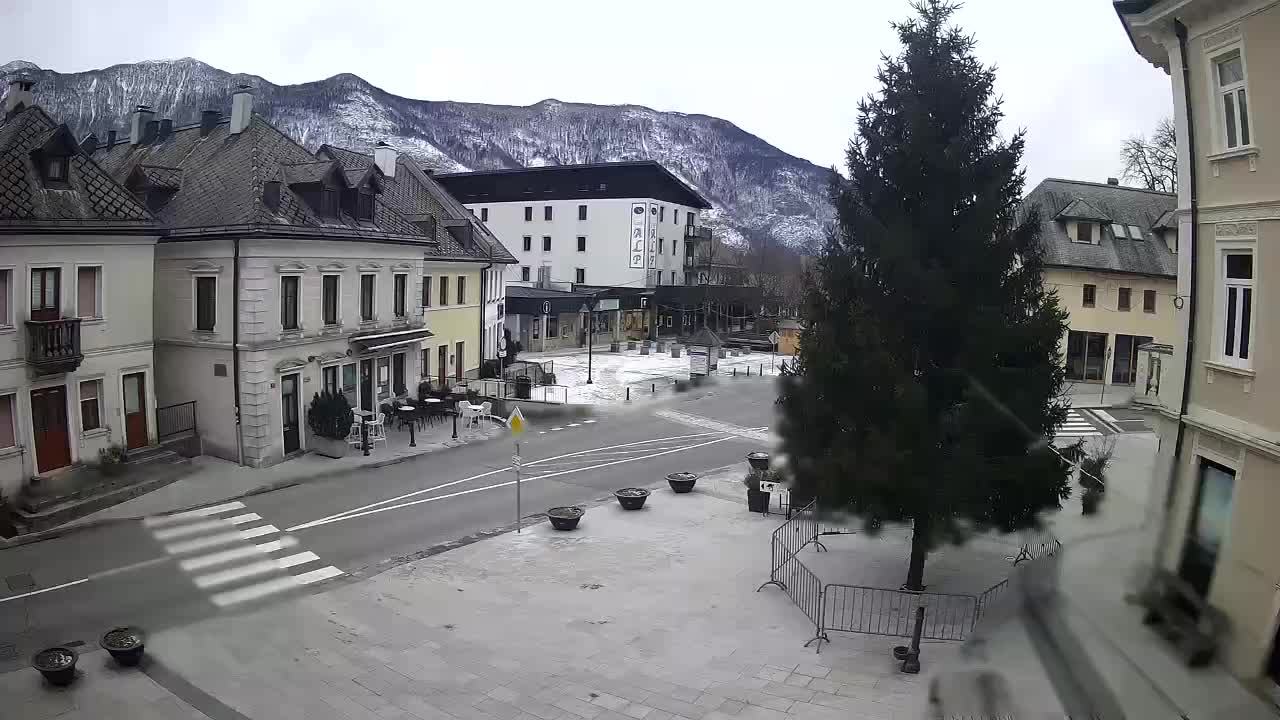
[(292, 266), (403, 267), (290, 364), (1222, 37), (1244, 229), (331, 267), (331, 357), (204, 267), (369, 267), (1239, 213)]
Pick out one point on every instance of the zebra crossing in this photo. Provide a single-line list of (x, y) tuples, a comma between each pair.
[(216, 547), (1076, 426)]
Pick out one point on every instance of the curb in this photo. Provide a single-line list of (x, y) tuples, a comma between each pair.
[(61, 531)]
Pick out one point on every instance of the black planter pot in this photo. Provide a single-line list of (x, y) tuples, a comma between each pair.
[(1089, 503), (758, 460), (900, 652), (757, 501), (564, 518), (631, 498), (125, 644), (57, 665), (682, 482)]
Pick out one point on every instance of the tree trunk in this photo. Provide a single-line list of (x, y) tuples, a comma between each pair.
[(919, 551)]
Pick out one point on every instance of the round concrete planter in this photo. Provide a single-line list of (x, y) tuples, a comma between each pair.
[(631, 498), (565, 518), (125, 644), (682, 482), (759, 460), (57, 665)]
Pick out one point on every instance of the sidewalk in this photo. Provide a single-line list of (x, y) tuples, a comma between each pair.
[(649, 615), (215, 480), (1097, 395)]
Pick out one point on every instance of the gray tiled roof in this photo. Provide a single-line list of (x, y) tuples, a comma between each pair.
[(416, 196), (1118, 204), (91, 197), (222, 184)]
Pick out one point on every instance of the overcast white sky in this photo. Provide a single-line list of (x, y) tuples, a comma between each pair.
[(791, 72)]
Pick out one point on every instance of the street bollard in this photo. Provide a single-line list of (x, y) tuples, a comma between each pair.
[(628, 393), (653, 388), (455, 423), (748, 371), (912, 662), (364, 437), (761, 373), (412, 442)]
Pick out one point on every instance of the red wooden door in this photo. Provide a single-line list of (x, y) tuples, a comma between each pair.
[(49, 423), (135, 410), (46, 294)]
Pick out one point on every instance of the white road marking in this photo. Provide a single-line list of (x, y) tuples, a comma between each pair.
[(206, 561), (273, 586), (556, 428), (159, 520), (220, 539), (1106, 416), (587, 422), (700, 421), (44, 590), (199, 527), (493, 472), (354, 514), (263, 567), (574, 424)]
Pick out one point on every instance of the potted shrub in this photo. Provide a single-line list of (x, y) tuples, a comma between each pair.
[(1094, 465), (631, 498), (682, 482), (565, 518), (759, 460), (111, 459), (57, 665), (1090, 500), (125, 644), (757, 499), (329, 419)]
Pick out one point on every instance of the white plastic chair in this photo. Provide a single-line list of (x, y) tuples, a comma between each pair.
[(353, 435), (378, 431), (486, 410)]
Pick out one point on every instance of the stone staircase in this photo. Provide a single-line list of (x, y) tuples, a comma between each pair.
[(57, 498)]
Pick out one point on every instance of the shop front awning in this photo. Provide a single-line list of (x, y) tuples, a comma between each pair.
[(391, 338)]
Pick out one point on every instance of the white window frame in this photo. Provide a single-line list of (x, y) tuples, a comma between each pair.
[(360, 299), (280, 300), (13, 418), (1220, 306), (102, 418), (580, 273), (394, 276), (1218, 56), (7, 323), (337, 301), (195, 301), (336, 367), (100, 290)]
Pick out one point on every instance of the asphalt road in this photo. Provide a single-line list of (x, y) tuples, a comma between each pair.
[(177, 570)]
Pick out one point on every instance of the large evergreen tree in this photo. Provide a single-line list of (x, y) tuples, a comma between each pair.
[(928, 375)]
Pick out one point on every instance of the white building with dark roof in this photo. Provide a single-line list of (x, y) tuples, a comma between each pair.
[(1109, 251)]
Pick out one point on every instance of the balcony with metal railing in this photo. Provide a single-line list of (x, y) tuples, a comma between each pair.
[(697, 232), (53, 346)]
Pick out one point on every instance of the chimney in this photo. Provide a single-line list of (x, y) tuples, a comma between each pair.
[(138, 124), (384, 156), (150, 132), (208, 120), (89, 144), (1113, 181), (111, 138), (166, 128), (241, 109), (19, 97)]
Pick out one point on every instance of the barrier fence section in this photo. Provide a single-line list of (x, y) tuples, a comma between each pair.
[(174, 420), (788, 573)]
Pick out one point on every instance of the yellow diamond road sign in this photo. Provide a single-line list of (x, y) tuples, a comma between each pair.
[(516, 422)]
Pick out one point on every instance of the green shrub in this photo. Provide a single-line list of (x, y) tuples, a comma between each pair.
[(330, 415)]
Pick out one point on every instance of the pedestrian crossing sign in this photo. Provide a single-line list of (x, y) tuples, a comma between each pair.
[(517, 422)]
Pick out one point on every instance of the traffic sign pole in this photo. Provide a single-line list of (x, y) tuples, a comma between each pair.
[(515, 463)]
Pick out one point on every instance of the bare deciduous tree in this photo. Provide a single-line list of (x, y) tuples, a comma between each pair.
[(1153, 162)]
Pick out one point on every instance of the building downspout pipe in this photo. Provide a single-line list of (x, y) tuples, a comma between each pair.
[(484, 303), (1170, 490), (235, 343)]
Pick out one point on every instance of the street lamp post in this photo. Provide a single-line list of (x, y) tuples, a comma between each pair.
[(590, 310)]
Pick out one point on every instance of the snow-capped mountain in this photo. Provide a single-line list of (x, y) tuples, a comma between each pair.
[(757, 190)]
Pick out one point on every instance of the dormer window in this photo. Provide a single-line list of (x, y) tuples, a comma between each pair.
[(1084, 232), (55, 168), (329, 202), (271, 194), (364, 206)]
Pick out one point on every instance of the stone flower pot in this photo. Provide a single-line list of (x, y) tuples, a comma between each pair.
[(682, 482), (759, 460), (57, 665), (565, 518), (631, 498), (125, 644), (328, 447)]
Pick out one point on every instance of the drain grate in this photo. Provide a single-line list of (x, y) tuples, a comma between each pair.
[(21, 582)]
